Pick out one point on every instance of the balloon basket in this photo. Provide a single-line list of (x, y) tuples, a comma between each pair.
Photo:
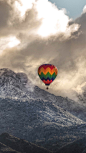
[(47, 88)]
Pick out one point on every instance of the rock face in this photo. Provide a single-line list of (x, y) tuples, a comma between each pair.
[(6, 149), (9, 78), (11, 144), (22, 77), (13, 85)]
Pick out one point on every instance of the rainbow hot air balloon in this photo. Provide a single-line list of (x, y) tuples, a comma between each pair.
[(47, 73)]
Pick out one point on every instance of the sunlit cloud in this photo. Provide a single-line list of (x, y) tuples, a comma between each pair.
[(8, 42), (23, 6), (84, 9), (53, 20), (13, 41)]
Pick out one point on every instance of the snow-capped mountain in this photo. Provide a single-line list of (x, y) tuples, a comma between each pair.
[(18, 86), (14, 85), (33, 114)]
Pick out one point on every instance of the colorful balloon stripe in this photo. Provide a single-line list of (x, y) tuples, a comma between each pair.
[(47, 79), (47, 82), (46, 66), (48, 75), (45, 71)]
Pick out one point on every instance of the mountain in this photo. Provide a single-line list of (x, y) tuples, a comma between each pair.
[(78, 146), (6, 149), (11, 144), (33, 114), (14, 85), (18, 86), (40, 122)]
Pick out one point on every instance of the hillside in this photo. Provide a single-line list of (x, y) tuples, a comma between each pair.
[(11, 144), (33, 114)]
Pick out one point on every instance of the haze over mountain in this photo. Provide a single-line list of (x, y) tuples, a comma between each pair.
[(33, 114)]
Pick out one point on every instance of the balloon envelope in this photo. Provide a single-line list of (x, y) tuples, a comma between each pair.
[(47, 73)]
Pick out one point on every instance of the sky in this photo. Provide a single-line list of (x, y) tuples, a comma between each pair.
[(74, 8), (37, 32)]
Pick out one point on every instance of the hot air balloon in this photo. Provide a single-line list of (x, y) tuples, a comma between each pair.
[(47, 73)]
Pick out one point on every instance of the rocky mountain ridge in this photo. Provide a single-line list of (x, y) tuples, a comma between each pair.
[(13, 85), (40, 122), (33, 114), (11, 144)]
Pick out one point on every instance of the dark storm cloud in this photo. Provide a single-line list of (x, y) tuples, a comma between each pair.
[(4, 13), (5, 9)]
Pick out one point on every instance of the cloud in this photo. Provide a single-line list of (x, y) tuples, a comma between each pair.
[(40, 17), (54, 21), (36, 32), (84, 9), (8, 42), (23, 6), (4, 13)]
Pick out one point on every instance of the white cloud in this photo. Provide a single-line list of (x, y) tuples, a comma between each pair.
[(8, 42), (84, 9), (13, 41), (53, 20), (24, 5)]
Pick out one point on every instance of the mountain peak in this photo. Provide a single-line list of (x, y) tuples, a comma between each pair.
[(14, 85), (6, 71)]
